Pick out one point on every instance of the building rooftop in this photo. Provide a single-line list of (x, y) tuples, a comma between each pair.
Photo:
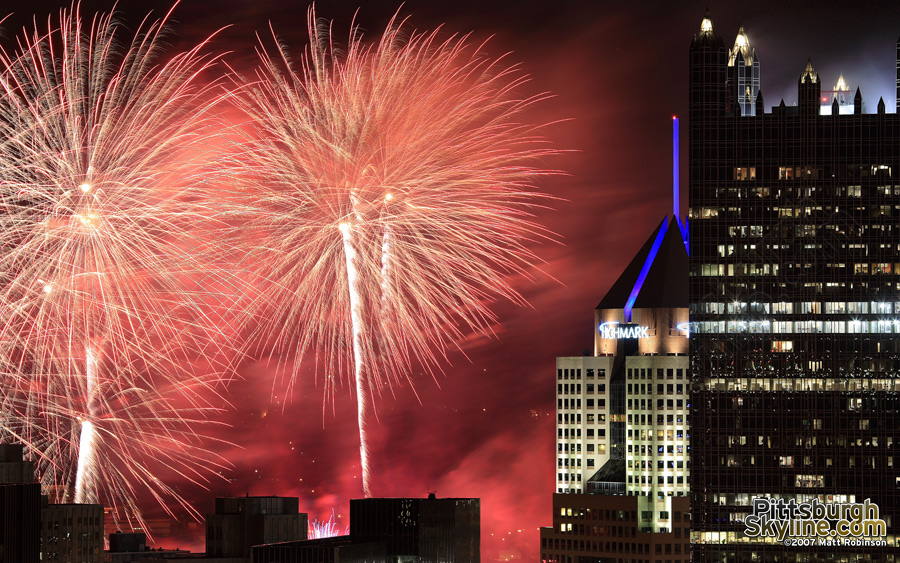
[(656, 277)]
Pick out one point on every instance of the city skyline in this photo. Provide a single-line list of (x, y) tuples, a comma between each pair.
[(618, 74)]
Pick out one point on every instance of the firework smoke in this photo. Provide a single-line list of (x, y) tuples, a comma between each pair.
[(394, 184), (101, 182)]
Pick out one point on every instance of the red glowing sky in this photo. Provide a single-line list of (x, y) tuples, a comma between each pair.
[(485, 427)]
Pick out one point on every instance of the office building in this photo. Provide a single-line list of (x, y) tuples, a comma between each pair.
[(603, 528), (795, 309), (242, 522), (72, 533), (431, 529), (623, 439)]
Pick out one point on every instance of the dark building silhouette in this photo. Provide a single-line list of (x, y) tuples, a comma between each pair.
[(242, 522), (432, 529), (390, 530), (20, 529), (20, 508), (72, 533), (795, 309), (131, 547), (14, 468), (339, 549), (120, 542)]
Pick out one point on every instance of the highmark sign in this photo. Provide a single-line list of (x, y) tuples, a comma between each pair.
[(618, 331)]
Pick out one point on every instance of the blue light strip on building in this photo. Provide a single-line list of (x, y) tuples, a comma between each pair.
[(683, 228), (654, 250)]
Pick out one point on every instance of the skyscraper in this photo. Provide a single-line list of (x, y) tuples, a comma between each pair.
[(795, 312), (623, 436)]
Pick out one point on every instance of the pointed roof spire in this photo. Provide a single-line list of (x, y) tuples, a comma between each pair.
[(706, 26), (741, 48), (741, 39), (881, 105), (809, 73), (841, 85)]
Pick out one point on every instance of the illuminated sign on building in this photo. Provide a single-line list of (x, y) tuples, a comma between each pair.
[(616, 331)]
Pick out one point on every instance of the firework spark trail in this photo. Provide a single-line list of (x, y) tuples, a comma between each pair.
[(85, 472), (101, 194), (394, 185)]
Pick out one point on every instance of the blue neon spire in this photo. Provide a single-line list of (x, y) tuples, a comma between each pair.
[(645, 269), (676, 197), (676, 194)]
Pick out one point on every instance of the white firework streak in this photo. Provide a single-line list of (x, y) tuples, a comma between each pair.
[(85, 473)]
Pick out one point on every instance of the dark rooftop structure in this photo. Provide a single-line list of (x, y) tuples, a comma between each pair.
[(393, 529), (665, 281)]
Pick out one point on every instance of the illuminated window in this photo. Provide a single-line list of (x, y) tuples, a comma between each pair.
[(809, 481), (742, 173), (782, 345)]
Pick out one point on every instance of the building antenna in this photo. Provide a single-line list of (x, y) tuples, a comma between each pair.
[(676, 191), (676, 196)]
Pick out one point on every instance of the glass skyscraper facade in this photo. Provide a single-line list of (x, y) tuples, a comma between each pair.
[(795, 309)]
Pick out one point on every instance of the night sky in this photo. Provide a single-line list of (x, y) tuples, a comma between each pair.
[(485, 427)]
